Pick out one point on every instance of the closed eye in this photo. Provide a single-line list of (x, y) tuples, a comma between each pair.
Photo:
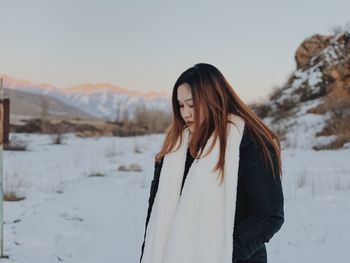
[(191, 106)]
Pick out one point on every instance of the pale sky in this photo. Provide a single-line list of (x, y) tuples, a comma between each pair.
[(146, 45)]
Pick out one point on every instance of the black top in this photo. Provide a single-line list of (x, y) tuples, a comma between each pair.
[(188, 163), (259, 204)]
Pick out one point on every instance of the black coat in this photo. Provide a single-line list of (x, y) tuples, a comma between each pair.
[(259, 205)]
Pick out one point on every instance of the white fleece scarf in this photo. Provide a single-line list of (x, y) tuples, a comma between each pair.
[(196, 227)]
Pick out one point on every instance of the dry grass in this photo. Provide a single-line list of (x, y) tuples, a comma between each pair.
[(137, 148), (14, 186), (97, 175), (111, 150), (57, 139), (338, 143), (15, 145), (123, 168), (132, 168), (262, 110), (12, 196), (339, 125), (145, 122)]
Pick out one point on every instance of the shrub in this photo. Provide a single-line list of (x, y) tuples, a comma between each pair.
[(15, 145), (14, 186), (97, 175), (132, 168), (12, 196)]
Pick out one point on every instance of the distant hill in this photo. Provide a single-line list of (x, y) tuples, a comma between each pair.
[(35, 105)]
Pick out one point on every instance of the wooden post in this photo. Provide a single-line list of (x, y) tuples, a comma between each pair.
[(1, 168), (2, 138), (6, 120)]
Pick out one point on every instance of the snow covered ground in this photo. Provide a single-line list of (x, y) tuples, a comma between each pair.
[(70, 216)]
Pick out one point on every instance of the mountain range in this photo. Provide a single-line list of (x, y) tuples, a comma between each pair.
[(100, 100)]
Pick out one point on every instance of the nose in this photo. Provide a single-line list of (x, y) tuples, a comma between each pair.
[(187, 113)]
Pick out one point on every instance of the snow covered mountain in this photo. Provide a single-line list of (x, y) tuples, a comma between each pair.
[(112, 102), (101, 100)]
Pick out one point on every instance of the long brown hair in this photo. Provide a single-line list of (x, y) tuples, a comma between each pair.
[(214, 99)]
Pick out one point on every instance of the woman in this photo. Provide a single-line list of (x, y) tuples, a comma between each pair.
[(216, 195)]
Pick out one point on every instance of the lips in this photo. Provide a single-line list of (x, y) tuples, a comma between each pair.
[(189, 122)]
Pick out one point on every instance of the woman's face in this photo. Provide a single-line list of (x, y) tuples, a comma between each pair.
[(184, 97)]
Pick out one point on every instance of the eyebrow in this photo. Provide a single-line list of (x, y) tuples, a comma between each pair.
[(186, 99)]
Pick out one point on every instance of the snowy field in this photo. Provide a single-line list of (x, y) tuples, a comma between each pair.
[(70, 216)]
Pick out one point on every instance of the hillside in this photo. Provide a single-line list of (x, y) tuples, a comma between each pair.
[(312, 109), (36, 105)]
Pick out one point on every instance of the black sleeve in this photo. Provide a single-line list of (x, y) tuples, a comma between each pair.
[(265, 204), (152, 194)]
